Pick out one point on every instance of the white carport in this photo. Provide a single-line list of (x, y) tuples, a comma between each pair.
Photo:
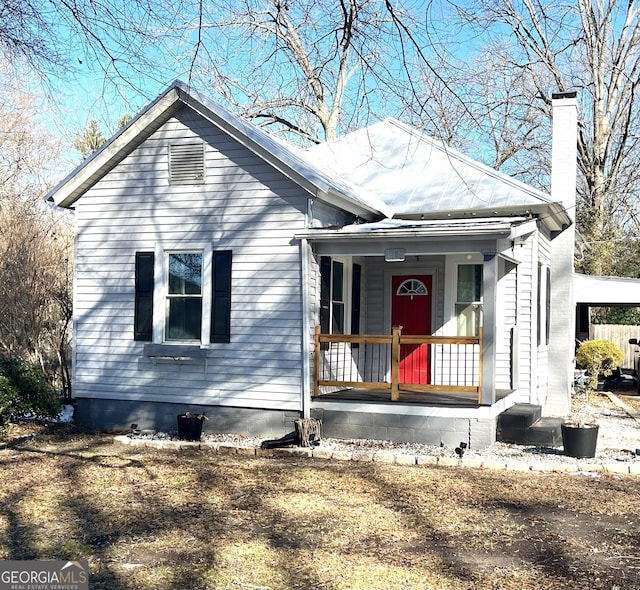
[(595, 291)]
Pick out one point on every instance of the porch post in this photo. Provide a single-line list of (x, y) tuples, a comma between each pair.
[(316, 362), (489, 312), (305, 349)]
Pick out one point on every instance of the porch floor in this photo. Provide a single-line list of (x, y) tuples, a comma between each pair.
[(435, 398)]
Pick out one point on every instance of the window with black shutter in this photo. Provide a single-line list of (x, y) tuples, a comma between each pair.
[(186, 290)]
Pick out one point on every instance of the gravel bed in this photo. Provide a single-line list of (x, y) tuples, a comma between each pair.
[(618, 440)]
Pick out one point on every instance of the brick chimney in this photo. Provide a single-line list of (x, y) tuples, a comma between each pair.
[(563, 189)]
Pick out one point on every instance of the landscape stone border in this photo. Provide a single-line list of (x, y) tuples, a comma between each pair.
[(389, 457)]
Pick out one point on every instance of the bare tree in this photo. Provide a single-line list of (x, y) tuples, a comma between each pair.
[(592, 46), (311, 69), (35, 243)]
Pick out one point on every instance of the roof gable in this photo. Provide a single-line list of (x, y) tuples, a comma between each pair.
[(320, 181), (419, 176)]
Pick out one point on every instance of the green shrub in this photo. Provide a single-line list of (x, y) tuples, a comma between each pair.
[(24, 390), (598, 357)]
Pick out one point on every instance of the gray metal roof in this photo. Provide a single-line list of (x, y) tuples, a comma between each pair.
[(415, 174), (386, 170)]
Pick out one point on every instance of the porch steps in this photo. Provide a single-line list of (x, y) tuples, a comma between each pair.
[(523, 424)]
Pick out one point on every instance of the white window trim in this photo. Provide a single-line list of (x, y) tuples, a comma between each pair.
[(161, 288), (450, 326)]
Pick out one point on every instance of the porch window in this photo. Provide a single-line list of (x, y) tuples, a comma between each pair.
[(195, 288), (468, 307), (337, 297), (340, 284)]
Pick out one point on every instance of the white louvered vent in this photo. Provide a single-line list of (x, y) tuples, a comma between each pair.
[(186, 163)]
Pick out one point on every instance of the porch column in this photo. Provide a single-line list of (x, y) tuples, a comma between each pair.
[(489, 312), (307, 322)]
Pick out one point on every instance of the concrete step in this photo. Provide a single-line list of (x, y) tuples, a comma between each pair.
[(516, 420), (522, 424), (546, 432)]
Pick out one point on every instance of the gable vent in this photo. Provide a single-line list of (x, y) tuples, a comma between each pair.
[(186, 163)]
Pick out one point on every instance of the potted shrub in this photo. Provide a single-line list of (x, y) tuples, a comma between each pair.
[(580, 433), (190, 426)]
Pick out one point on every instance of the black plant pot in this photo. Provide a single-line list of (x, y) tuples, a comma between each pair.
[(189, 427), (579, 441)]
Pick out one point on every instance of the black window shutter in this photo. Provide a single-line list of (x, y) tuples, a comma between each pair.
[(325, 293), (355, 299), (221, 297), (143, 313)]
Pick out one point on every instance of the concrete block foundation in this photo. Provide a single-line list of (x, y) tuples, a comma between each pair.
[(437, 430), (117, 415), (449, 431)]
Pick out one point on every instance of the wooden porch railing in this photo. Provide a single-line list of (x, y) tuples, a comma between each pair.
[(449, 363)]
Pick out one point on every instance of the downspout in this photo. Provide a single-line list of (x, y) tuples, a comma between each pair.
[(306, 329)]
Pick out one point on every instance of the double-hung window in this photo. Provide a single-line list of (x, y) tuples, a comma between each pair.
[(468, 306), (183, 313), (183, 296), (340, 284)]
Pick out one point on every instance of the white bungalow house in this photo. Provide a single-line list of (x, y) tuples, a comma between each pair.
[(383, 283)]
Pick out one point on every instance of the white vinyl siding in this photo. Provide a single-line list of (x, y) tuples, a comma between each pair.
[(244, 206)]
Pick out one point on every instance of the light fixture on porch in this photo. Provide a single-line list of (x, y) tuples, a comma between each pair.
[(394, 255)]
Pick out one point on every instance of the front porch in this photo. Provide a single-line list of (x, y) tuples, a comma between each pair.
[(468, 298), (436, 419), (412, 389)]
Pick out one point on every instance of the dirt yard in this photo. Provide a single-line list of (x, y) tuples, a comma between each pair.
[(196, 520)]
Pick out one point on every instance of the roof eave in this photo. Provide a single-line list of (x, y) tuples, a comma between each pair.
[(75, 184), (504, 230), (552, 215)]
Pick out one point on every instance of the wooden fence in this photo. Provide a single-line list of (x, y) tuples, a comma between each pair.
[(618, 335)]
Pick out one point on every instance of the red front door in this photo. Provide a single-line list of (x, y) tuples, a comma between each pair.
[(411, 309)]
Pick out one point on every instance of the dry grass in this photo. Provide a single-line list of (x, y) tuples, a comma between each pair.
[(192, 520)]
